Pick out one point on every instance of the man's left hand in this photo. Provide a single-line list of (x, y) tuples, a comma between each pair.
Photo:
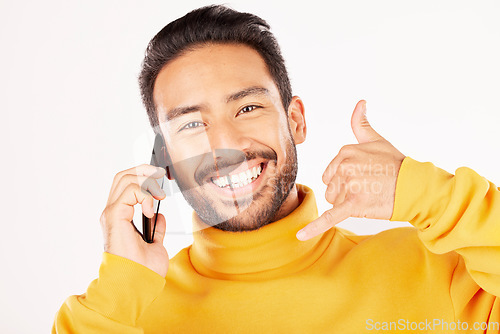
[(361, 179)]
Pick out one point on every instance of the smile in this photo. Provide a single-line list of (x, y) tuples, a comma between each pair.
[(240, 179)]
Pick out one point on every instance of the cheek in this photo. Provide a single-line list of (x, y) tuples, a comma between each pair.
[(186, 163), (274, 133), (194, 148)]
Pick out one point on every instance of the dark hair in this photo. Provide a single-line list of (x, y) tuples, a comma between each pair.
[(206, 25)]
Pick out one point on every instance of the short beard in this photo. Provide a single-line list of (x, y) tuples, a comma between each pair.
[(279, 186)]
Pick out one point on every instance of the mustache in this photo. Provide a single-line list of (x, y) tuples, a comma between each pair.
[(228, 160)]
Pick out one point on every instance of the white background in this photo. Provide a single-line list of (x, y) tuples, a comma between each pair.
[(72, 115)]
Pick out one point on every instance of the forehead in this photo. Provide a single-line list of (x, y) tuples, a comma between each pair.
[(208, 73)]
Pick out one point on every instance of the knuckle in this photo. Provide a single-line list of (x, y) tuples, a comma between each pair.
[(117, 177), (332, 187), (131, 187), (328, 218), (104, 218), (328, 174), (124, 179), (329, 196), (346, 167), (325, 176), (348, 181), (330, 190), (129, 178), (347, 149)]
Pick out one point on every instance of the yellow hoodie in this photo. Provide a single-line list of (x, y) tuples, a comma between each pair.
[(442, 276)]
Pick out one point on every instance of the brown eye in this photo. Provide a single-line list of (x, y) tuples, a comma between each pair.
[(247, 109)]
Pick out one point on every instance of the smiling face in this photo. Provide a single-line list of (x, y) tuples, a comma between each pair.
[(231, 142)]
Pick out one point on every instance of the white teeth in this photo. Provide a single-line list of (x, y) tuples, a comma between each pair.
[(242, 176), (238, 180)]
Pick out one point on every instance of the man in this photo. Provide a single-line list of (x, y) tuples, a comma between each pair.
[(215, 87)]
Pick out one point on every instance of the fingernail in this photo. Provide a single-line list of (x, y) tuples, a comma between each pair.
[(301, 235), (162, 192)]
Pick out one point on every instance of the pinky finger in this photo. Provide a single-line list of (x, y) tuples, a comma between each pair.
[(341, 196)]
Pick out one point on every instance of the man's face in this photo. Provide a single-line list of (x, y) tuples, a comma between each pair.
[(227, 135)]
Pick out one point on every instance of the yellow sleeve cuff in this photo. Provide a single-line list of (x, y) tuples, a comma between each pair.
[(419, 187), (123, 290)]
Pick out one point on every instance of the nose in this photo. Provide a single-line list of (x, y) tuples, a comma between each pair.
[(227, 137)]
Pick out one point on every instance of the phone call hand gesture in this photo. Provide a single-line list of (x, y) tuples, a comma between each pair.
[(130, 187), (361, 179)]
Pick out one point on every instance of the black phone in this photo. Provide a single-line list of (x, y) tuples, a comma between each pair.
[(159, 158)]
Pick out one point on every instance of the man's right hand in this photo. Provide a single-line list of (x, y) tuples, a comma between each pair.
[(121, 238)]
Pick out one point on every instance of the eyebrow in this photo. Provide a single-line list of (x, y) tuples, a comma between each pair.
[(180, 111), (256, 90)]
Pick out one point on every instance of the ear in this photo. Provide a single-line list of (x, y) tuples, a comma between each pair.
[(168, 164), (164, 156), (168, 173), (297, 120)]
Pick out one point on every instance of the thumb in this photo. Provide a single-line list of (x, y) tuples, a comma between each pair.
[(360, 127), (160, 229), (325, 222)]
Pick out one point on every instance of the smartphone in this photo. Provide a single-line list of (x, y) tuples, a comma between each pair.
[(159, 158)]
